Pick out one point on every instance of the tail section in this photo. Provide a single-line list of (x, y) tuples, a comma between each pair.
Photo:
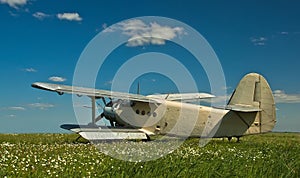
[(253, 94)]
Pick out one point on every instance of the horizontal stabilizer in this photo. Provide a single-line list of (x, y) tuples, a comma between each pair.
[(243, 108)]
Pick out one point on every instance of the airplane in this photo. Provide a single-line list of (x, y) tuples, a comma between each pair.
[(250, 110)]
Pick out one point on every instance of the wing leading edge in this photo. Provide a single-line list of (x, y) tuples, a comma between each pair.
[(61, 89)]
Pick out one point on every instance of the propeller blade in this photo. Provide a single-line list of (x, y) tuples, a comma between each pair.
[(99, 117), (103, 99), (100, 105)]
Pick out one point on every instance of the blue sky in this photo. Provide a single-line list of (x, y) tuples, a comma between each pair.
[(43, 40)]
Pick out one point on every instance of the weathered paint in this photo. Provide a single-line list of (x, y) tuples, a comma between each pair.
[(183, 119)]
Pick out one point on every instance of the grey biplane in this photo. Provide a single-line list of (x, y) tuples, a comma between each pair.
[(250, 110)]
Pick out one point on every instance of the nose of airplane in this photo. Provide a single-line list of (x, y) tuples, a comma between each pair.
[(109, 113)]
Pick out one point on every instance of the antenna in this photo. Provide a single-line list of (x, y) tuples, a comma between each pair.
[(138, 88)]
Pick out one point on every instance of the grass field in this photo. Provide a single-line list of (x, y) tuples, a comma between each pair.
[(55, 155)]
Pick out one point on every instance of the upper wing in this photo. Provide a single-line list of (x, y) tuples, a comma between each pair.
[(182, 96), (61, 89)]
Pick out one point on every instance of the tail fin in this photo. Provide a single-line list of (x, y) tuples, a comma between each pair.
[(253, 94)]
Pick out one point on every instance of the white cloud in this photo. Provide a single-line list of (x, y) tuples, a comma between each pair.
[(57, 79), (40, 15), (41, 106), (14, 3), (281, 97), (69, 16), (11, 116), (104, 26), (141, 33), (13, 14), (108, 83), (30, 70), (16, 108), (284, 33), (260, 41), (226, 88)]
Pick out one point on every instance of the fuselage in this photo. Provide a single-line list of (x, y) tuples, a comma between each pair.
[(182, 119)]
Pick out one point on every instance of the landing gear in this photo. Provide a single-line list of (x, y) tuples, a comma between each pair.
[(77, 139), (238, 139), (229, 138)]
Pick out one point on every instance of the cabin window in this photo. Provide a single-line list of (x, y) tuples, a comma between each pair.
[(137, 111), (143, 112), (154, 114), (256, 123)]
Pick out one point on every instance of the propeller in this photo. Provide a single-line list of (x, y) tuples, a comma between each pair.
[(106, 104), (110, 104)]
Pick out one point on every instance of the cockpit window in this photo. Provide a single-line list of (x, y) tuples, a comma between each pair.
[(132, 103)]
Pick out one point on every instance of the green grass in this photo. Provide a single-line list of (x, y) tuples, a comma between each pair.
[(55, 155)]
